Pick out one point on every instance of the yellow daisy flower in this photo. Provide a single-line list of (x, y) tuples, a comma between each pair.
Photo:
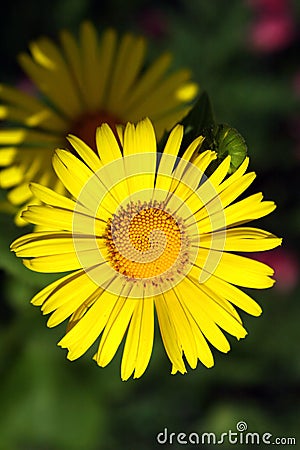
[(147, 232), (84, 83)]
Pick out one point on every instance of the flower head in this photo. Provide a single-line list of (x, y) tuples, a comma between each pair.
[(83, 83), (147, 232)]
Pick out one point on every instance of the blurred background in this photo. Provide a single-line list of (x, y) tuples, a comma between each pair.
[(246, 55)]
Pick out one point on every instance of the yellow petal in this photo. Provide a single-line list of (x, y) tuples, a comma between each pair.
[(234, 295), (147, 81), (7, 155), (10, 177), (139, 340), (74, 304), (235, 269), (190, 295), (91, 65), (45, 293), (212, 304), (107, 145), (182, 326), (85, 152), (168, 159), (127, 65), (107, 53), (51, 197), (53, 263), (242, 239), (87, 330), (169, 336), (115, 330), (19, 194)]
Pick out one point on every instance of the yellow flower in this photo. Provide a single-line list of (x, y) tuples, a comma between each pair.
[(84, 82), (147, 232)]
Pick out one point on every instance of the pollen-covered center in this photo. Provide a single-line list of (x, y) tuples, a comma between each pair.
[(146, 241)]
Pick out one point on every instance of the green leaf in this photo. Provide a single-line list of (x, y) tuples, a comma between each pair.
[(199, 118), (225, 140), (220, 138)]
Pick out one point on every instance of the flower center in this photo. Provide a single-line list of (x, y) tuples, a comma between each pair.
[(85, 126), (146, 241)]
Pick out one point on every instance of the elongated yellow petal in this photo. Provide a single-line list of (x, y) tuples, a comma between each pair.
[(78, 179), (182, 326), (20, 194), (47, 68), (87, 330), (72, 56), (238, 213), (234, 295), (20, 99), (204, 353), (106, 61), (10, 177), (140, 157), (139, 340), (168, 159), (75, 289), (235, 269), (203, 350), (53, 263), (190, 296), (50, 197), (7, 155), (53, 244), (127, 65), (148, 80), (43, 118), (248, 209), (91, 67), (115, 330), (214, 307), (148, 105), (169, 337), (235, 176), (243, 239), (61, 219), (19, 136), (73, 305), (107, 145), (85, 152), (166, 122)]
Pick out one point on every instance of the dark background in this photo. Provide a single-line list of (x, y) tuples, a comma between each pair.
[(246, 55)]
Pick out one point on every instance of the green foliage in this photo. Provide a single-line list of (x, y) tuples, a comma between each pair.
[(222, 139), (199, 118), (225, 140)]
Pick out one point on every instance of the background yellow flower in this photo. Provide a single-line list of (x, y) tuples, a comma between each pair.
[(84, 82)]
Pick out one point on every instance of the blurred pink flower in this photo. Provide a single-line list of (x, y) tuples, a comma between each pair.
[(272, 32), (270, 6), (286, 266)]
